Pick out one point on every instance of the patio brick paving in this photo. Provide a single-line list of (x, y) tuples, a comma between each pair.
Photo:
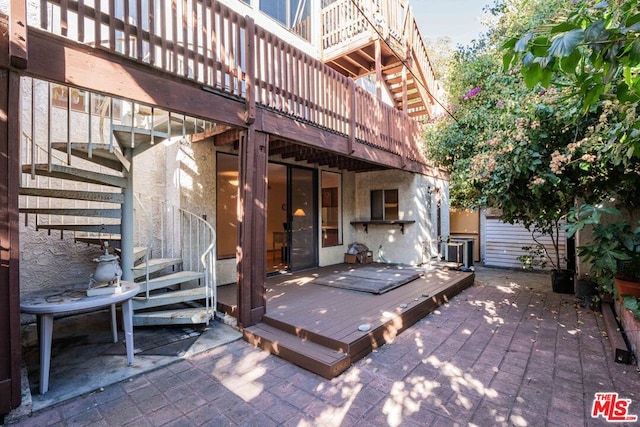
[(506, 351)]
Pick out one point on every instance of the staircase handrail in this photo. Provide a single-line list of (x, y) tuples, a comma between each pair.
[(149, 241), (205, 258), (418, 51)]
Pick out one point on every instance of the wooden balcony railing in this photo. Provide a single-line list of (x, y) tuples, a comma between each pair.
[(423, 64), (344, 20), (206, 42), (347, 21)]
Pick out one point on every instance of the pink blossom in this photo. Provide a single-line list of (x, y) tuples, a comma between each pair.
[(473, 92)]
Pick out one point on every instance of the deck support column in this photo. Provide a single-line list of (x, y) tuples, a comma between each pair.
[(252, 227), (10, 344), (378, 69)]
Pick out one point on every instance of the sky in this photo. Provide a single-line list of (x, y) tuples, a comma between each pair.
[(458, 19)]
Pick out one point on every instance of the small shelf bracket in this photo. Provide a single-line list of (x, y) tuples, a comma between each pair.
[(365, 224)]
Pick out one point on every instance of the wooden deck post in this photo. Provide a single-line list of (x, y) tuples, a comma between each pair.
[(18, 33), (250, 91), (252, 227), (10, 345), (378, 69)]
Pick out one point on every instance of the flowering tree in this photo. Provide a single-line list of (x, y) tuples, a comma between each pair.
[(534, 171), (592, 50), (509, 147)]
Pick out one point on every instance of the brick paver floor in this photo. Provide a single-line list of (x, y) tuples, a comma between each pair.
[(506, 351)]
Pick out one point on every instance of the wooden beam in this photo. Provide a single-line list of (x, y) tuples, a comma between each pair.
[(217, 130), (228, 137), (101, 71), (280, 126), (343, 66), (252, 227), (18, 33), (10, 343)]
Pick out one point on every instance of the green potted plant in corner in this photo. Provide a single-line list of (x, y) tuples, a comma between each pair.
[(613, 251)]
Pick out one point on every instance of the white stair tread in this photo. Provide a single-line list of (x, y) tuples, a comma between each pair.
[(170, 280), (172, 297), (155, 264), (75, 174), (92, 196), (173, 317)]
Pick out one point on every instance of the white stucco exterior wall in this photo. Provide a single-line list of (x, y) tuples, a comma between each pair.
[(335, 254), (417, 196)]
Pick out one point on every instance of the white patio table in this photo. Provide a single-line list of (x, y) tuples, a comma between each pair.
[(47, 302)]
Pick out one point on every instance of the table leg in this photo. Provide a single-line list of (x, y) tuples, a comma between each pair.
[(127, 320), (45, 332), (114, 324)]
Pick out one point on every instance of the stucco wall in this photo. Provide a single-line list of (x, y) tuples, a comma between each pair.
[(335, 254), (417, 202), (53, 259)]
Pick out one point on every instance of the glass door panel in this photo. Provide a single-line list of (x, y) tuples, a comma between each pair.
[(277, 214), (302, 218)]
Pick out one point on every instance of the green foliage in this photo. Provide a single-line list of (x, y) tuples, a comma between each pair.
[(632, 304), (593, 49), (614, 248), (535, 257)]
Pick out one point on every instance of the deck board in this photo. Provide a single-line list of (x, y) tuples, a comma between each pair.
[(330, 316)]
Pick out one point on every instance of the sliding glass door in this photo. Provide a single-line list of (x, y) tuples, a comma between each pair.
[(302, 215)]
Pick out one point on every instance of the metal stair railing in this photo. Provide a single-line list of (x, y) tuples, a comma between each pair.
[(178, 233), (149, 240)]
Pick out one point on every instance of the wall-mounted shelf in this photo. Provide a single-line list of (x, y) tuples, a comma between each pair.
[(399, 222)]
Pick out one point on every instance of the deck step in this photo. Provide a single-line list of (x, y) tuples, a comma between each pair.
[(91, 196), (75, 174), (88, 228), (170, 280), (167, 298), (100, 154), (316, 358), (93, 213), (184, 316), (305, 334), (155, 264)]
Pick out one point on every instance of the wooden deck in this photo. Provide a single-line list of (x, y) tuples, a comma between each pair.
[(317, 327)]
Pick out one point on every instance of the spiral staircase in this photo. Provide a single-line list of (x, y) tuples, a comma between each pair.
[(167, 250)]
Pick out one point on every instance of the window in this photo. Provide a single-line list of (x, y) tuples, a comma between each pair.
[(293, 14), (331, 183), (384, 205), (277, 9), (226, 205)]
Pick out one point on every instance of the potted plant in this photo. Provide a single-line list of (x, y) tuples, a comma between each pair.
[(614, 249)]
